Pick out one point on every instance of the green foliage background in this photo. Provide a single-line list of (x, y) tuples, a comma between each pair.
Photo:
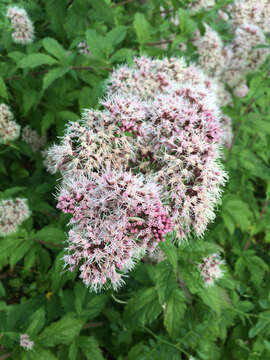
[(162, 312)]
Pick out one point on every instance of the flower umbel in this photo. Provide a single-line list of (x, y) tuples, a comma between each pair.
[(26, 343), (210, 269)]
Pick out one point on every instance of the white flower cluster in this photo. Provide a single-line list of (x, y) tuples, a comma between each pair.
[(12, 214), (23, 30), (26, 343), (210, 269), (33, 139), (230, 63), (9, 129)]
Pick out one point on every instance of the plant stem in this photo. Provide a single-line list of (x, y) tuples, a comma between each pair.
[(5, 356), (123, 3)]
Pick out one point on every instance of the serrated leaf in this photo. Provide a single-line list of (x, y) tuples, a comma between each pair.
[(35, 60), (165, 280), (53, 75), (174, 312), (143, 308), (51, 235), (88, 304), (187, 25), (61, 332), (117, 35), (37, 321), (90, 348), (54, 48), (171, 252), (19, 252), (263, 324), (142, 28)]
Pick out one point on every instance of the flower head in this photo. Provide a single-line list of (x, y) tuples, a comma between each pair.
[(210, 269), (9, 129), (23, 30), (25, 342), (12, 214)]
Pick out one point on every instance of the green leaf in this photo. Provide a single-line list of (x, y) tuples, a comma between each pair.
[(165, 281), (61, 332), (90, 348), (187, 25), (2, 290), (51, 235), (263, 324), (116, 35), (102, 11), (174, 312), (99, 46), (54, 48), (53, 75), (171, 252), (38, 353), (88, 304), (143, 308), (37, 321), (3, 89), (142, 28), (35, 60), (19, 252)]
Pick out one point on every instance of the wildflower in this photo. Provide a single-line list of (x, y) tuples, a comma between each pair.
[(210, 269), (12, 214), (83, 48), (23, 30), (9, 129), (197, 5), (210, 48), (222, 15), (241, 90), (116, 217), (26, 343), (32, 138)]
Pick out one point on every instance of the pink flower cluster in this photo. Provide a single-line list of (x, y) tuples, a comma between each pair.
[(116, 216), (210, 269), (156, 141)]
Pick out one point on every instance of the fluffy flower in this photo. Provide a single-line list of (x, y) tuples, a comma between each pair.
[(197, 5), (210, 49), (241, 90), (160, 119), (210, 269), (23, 30), (9, 129), (25, 342), (83, 48), (12, 214), (33, 139), (116, 217)]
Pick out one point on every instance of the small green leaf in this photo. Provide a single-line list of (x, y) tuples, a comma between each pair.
[(174, 312), (3, 89), (53, 75), (37, 321), (143, 308), (90, 348), (142, 28), (35, 60), (61, 332), (54, 48)]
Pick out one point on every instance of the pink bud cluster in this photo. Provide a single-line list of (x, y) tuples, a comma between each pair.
[(12, 214), (161, 120), (23, 30), (9, 129), (116, 216), (210, 269), (26, 343)]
